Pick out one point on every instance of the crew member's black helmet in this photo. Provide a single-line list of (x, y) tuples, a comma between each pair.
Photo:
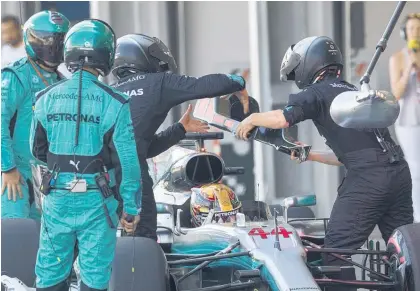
[(304, 61), (141, 53)]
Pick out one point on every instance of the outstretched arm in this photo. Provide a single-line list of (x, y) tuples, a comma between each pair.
[(301, 106), (165, 139), (178, 89)]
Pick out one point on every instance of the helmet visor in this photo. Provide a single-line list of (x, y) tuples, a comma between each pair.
[(48, 46), (290, 61)]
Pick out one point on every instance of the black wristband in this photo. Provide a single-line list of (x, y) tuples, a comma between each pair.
[(181, 126)]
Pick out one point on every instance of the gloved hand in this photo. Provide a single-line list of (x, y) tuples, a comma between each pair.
[(129, 222), (294, 156)]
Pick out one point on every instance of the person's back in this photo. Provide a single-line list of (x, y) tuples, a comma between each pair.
[(100, 107), (147, 109), (341, 140), (82, 130)]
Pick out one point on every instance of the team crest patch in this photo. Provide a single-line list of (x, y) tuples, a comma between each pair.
[(35, 79)]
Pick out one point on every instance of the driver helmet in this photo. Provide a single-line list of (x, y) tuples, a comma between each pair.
[(217, 197)]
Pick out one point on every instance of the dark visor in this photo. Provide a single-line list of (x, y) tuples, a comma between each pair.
[(48, 46)]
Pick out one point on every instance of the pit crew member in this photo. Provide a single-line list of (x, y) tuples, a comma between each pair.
[(144, 67), (83, 131), (43, 36), (377, 186)]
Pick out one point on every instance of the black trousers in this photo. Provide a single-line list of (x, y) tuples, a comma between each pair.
[(374, 192), (148, 216)]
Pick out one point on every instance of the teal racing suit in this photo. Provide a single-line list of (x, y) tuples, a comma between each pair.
[(19, 83), (105, 139)]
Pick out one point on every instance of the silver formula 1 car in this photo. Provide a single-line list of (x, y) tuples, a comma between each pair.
[(276, 247)]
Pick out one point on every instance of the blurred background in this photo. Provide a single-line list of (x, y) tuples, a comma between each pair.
[(248, 38)]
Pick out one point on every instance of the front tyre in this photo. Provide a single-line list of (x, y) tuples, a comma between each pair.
[(404, 249)]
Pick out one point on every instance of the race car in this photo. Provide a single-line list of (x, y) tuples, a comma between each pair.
[(263, 249)]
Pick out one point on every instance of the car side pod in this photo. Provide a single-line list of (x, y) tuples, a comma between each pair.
[(297, 201)]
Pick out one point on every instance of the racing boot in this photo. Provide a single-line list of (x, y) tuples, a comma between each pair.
[(63, 286), (83, 287)]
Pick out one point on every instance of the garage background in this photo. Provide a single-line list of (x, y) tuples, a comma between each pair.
[(209, 37)]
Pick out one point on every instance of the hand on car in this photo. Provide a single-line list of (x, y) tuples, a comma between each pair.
[(192, 125), (244, 128), (129, 227), (12, 180)]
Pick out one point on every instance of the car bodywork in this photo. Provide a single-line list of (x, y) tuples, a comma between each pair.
[(263, 250), (266, 252)]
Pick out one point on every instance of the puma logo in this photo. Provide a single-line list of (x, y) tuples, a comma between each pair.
[(74, 164)]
